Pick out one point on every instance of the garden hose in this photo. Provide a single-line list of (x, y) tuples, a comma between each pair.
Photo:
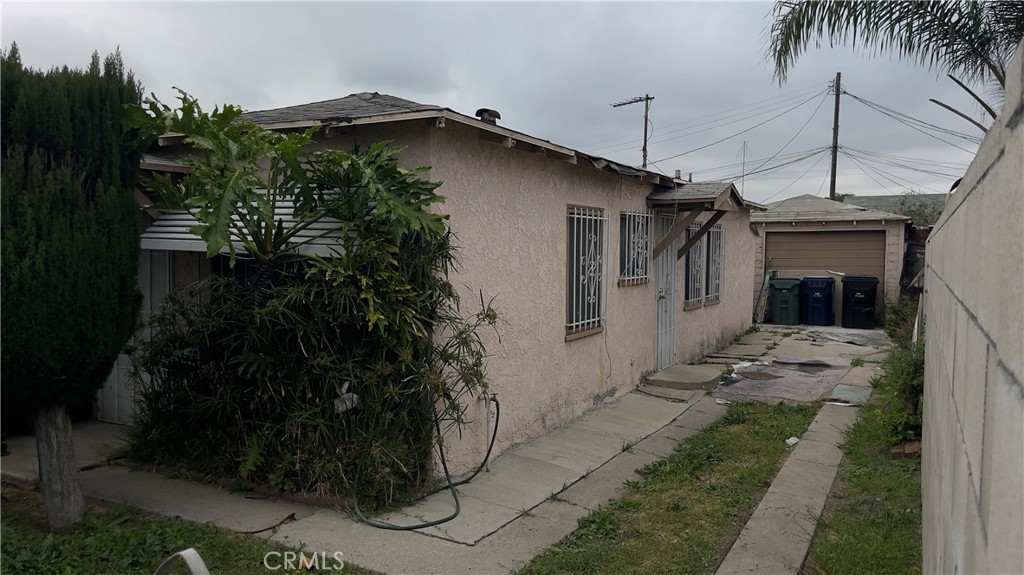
[(444, 465)]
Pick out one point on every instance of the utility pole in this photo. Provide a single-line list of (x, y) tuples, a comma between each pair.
[(835, 138), (646, 99)]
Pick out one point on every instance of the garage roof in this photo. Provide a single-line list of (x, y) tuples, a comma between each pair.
[(809, 208)]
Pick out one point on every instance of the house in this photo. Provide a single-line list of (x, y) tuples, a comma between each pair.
[(811, 236), (602, 273)]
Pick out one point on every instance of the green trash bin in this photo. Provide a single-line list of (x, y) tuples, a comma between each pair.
[(785, 294)]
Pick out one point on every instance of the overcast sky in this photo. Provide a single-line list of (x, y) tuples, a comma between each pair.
[(552, 70)]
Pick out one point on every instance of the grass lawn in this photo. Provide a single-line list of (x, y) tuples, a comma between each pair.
[(872, 522), (121, 541), (684, 513)]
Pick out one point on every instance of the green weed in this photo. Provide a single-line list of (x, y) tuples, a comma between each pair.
[(685, 511)]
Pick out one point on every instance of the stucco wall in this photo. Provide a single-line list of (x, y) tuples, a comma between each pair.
[(973, 452), (708, 328), (508, 209)]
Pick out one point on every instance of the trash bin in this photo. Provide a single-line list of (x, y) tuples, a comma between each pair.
[(859, 293), (785, 293), (816, 300)]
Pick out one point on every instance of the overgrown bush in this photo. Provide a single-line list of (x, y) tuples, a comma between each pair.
[(314, 367), (898, 320)]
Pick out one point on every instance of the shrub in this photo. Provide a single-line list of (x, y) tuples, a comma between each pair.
[(315, 367)]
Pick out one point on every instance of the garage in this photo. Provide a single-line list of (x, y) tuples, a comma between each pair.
[(852, 253)]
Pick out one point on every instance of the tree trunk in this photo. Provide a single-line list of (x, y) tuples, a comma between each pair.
[(58, 472)]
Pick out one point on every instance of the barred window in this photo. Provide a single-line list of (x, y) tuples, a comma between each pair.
[(715, 242), (634, 247), (585, 297), (695, 268)]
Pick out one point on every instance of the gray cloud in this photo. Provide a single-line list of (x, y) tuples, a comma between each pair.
[(551, 69)]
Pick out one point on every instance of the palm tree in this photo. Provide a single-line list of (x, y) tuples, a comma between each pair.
[(973, 41)]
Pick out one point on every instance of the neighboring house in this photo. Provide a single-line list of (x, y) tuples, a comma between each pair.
[(972, 457), (812, 236), (568, 245)]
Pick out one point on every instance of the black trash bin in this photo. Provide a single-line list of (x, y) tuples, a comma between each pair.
[(816, 300), (859, 293), (785, 294)]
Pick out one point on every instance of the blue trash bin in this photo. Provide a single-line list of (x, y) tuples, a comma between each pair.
[(816, 300)]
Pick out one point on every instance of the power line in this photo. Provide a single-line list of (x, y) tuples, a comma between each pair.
[(894, 116), (776, 166), (795, 94), (821, 155), (886, 175), (689, 131), (740, 132), (893, 164), (738, 164), (798, 132)]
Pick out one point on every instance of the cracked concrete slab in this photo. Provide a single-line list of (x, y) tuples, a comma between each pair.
[(861, 375), (185, 499), (607, 482), (850, 394)]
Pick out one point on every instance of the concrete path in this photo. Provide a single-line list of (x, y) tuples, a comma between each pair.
[(531, 498), (533, 495), (778, 535)]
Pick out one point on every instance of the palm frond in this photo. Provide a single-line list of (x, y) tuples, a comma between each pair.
[(973, 40)]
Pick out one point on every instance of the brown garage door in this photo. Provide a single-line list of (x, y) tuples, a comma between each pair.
[(855, 253)]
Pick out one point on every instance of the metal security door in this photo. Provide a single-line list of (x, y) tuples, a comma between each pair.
[(666, 305)]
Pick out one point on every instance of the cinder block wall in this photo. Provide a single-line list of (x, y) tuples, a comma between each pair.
[(973, 456)]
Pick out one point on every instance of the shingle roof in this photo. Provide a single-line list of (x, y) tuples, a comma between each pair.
[(353, 106), (814, 209), (697, 191)]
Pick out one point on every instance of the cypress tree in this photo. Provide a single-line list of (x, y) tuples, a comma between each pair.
[(69, 244)]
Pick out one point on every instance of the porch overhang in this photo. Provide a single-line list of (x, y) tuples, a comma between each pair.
[(688, 202)]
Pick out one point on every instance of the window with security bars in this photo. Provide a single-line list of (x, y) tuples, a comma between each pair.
[(634, 247), (585, 255), (704, 266), (715, 240), (695, 268)]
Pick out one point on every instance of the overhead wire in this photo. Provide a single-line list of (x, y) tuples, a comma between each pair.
[(882, 110), (798, 178), (798, 132), (759, 124), (886, 175), (734, 165), (728, 113), (900, 166)]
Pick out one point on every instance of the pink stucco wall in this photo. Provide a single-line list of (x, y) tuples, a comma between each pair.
[(708, 328), (508, 211)]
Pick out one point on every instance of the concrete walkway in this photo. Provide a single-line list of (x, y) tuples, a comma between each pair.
[(531, 498), (778, 535), (533, 495)]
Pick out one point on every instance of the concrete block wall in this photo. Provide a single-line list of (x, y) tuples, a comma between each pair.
[(973, 452)]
